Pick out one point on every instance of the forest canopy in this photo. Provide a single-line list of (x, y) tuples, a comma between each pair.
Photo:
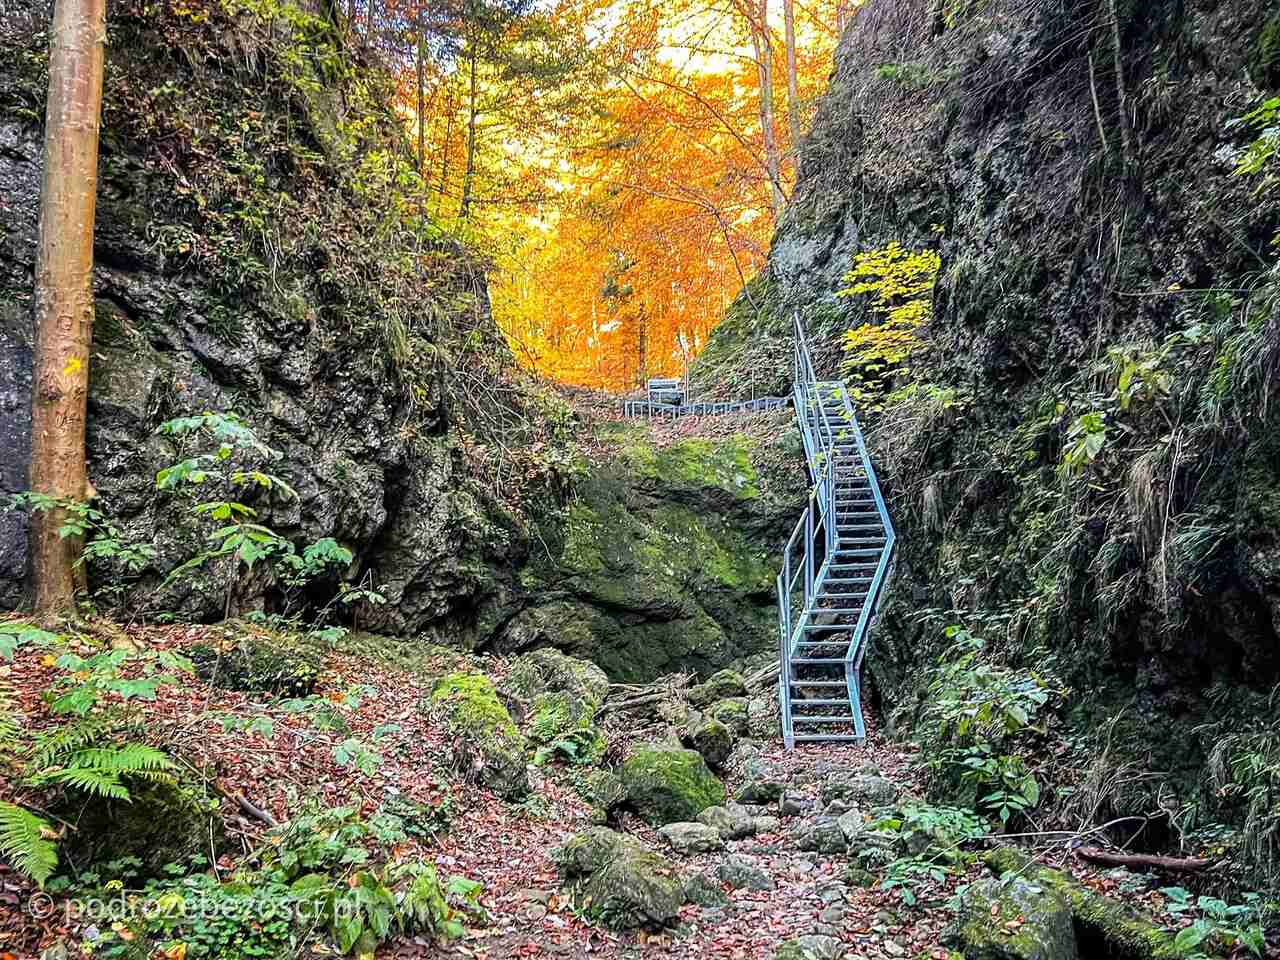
[(623, 163)]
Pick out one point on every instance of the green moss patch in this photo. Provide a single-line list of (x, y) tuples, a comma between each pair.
[(486, 744), (665, 785)]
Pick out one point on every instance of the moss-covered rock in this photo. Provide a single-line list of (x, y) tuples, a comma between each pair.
[(486, 745), (1041, 928), (667, 784), (714, 741), (733, 714), (563, 695), (1103, 927), (160, 823), (718, 686), (618, 881), (254, 665), (661, 563)]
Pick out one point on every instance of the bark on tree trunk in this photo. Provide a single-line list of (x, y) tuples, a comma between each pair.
[(422, 107), (450, 107), (64, 291), (793, 85), (469, 177), (764, 62)]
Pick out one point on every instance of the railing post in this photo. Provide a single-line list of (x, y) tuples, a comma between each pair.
[(808, 558)]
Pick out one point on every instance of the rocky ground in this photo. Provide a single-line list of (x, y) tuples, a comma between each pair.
[(636, 846)]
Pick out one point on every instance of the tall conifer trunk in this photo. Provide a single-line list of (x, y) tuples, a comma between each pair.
[(64, 290)]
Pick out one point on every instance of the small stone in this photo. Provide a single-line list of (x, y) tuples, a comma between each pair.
[(837, 807), (893, 949), (705, 891), (852, 825), (692, 837), (791, 804), (759, 791), (874, 790), (815, 946), (833, 894), (802, 866), (766, 824), (822, 835), (742, 873), (731, 821), (832, 914)]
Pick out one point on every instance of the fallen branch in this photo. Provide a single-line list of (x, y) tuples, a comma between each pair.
[(1146, 861), (631, 703), (262, 816)]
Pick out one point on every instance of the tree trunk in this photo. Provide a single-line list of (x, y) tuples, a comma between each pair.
[(64, 291), (764, 64), (793, 85), (422, 107), (450, 107), (469, 177), (1128, 155)]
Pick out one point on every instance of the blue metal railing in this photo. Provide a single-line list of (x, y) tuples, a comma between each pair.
[(830, 431)]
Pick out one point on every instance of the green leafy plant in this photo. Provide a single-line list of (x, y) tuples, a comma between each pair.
[(1086, 438), (233, 464), (88, 752), (975, 713), (938, 832), (1218, 925)]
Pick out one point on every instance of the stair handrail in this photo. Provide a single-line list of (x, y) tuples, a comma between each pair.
[(819, 514), (875, 593)]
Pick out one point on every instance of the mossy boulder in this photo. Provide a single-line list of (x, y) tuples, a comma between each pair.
[(563, 695), (668, 784), (582, 683), (714, 741), (620, 882), (254, 665), (718, 686), (1103, 927), (733, 714), (1042, 929), (486, 745), (160, 823)]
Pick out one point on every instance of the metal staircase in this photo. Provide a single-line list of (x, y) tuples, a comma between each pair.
[(834, 567)]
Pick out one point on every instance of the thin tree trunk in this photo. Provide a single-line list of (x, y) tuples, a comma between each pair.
[(64, 291), (764, 64), (450, 107), (422, 106), (469, 177), (793, 85), (1122, 99)]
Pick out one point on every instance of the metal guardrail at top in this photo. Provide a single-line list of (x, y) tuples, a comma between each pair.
[(824, 627), (707, 408)]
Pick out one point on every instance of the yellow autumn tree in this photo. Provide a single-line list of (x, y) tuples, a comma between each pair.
[(900, 284)]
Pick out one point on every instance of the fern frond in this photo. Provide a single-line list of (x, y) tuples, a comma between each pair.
[(52, 748), (23, 841), (124, 758), (8, 717), (98, 783)]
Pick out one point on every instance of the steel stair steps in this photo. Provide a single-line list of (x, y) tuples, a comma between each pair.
[(843, 559)]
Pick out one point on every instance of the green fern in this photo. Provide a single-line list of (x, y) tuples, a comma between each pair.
[(99, 771), (24, 842), (54, 747), (8, 720)]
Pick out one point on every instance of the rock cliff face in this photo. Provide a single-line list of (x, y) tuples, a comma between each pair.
[(665, 559), (250, 259), (1100, 255), (253, 256)]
